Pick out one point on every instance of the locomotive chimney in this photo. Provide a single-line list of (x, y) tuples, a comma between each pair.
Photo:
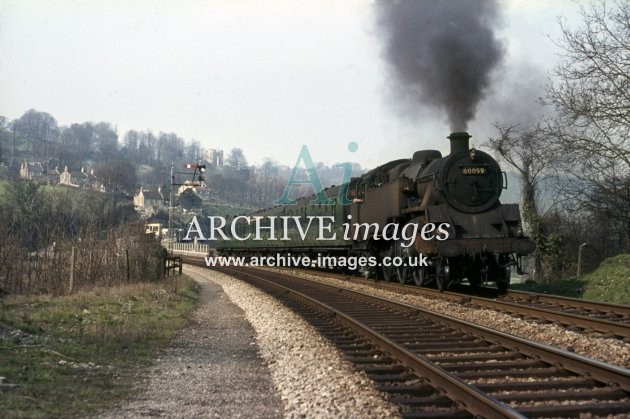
[(459, 141)]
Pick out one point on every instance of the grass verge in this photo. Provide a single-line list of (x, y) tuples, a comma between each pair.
[(71, 356), (570, 287), (610, 283)]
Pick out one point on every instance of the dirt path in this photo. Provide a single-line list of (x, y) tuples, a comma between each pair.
[(213, 369)]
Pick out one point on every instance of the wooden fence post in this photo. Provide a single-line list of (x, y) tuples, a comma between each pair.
[(71, 285), (128, 267)]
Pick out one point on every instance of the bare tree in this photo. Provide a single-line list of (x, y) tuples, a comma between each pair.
[(105, 140), (236, 160), (193, 151), (533, 155), (119, 176), (591, 95), (39, 130)]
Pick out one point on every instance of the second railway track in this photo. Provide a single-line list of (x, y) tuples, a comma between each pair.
[(591, 316), (438, 366)]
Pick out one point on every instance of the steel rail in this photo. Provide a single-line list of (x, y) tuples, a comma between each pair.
[(577, 363), (599, 306), (472, 399), (618, 329), (574, 364)]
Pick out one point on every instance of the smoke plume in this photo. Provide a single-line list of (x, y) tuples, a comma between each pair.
[(441, 52)]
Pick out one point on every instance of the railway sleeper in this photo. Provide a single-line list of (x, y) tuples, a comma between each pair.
[(495, 349), (551, 372), (337, 334), (433, 340), (372, 359), (394, 377), (434, 400), (489, 358), (489, 366), (573, 383), (416, 330), (403, 389), (422, 329), (575, 410), (363, 350), (440, 347), (384, 369), (605, 393), (437, 414)]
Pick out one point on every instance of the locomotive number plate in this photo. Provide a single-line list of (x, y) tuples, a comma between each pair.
[(474, 171)]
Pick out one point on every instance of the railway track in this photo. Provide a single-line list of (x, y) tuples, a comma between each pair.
[(589, 316), (611, 320), (606, 312), (437, 366)]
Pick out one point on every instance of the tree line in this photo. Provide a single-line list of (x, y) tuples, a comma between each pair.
[(142, 158), (579, 154)]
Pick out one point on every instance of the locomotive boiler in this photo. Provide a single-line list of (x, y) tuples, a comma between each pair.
[(481, 238)]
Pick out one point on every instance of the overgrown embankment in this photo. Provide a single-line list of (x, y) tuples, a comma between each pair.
[(73, 355), (610, 282), (57, 239)]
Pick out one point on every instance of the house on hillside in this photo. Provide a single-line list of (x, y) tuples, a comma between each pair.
[(38, 172), (95, 183), (199, 188), (51, 176), (32, 170), (81, 179), (74, 179), (149, 202)]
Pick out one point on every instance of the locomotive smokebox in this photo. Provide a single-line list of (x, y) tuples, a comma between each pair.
[(459, 141)]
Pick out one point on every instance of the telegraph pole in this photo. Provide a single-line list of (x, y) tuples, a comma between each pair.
[(170, 211)]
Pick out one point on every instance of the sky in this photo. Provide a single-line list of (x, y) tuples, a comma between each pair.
[(267, 76)]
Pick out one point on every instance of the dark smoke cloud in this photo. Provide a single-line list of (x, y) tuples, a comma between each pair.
[(442, 52)]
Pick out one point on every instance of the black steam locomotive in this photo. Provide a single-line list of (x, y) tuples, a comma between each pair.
[(454, 198)]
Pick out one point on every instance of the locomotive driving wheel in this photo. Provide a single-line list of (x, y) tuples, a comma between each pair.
[(503, 273), (389, 272), (442, 274), (503, 278), (404, 271), (421, 276)]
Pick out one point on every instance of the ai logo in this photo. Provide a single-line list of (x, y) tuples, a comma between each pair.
[(315, 181)]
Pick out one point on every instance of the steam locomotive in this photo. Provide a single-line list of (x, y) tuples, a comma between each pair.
[(481, 238)]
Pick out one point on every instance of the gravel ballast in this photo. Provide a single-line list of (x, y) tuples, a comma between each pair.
[(247, 355), (612, 351)]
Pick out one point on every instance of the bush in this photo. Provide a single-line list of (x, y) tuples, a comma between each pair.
[(57, 240)]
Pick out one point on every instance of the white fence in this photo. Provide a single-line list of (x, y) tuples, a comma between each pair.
[(187, 248)]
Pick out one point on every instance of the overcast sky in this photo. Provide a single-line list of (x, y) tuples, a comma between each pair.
[(266, 76)]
